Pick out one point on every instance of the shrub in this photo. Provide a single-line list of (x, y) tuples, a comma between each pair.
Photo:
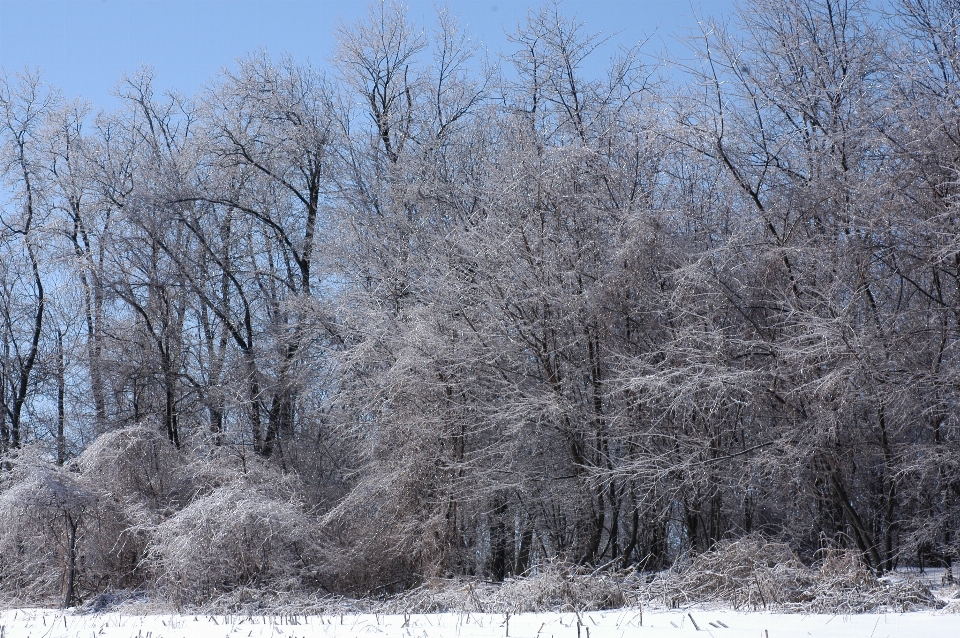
[(755, 573), (56, 538), (235, 536)]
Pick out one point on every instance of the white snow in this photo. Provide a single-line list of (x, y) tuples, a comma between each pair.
[(623, 623)]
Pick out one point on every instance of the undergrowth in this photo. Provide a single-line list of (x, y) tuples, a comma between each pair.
[(748, 574)]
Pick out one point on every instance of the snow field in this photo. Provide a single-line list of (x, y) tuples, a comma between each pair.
[(624, 623)]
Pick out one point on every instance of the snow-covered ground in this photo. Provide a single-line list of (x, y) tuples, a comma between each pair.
[(626, 623)]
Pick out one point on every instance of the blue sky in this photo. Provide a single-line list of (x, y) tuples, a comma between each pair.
[(85, 46)]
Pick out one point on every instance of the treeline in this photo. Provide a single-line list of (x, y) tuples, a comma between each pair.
[(434, 314)]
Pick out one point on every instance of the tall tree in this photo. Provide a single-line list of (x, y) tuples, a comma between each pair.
[(24, 102)]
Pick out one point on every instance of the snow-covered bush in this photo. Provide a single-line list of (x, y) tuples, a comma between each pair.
[(234, 536), (560, 587), (59, 540), (555, 586), (754, 573), (137, 466)]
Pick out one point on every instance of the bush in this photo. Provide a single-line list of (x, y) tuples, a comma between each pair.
[(236, 536), (59, 540), (554, 586), (137, 466), (754, 573)]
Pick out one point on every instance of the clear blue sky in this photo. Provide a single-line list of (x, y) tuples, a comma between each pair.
[(85, 46)]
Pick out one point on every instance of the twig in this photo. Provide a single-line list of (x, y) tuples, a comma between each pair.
[(760, 590)]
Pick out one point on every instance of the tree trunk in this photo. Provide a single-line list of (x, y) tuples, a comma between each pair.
[(70, 595), (61, 408)]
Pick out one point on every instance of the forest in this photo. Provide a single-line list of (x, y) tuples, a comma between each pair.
[(431, 313)]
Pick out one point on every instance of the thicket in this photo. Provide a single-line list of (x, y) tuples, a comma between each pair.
[(432, 317)]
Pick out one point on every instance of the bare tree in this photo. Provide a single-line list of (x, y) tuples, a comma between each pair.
[(24, 102)]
